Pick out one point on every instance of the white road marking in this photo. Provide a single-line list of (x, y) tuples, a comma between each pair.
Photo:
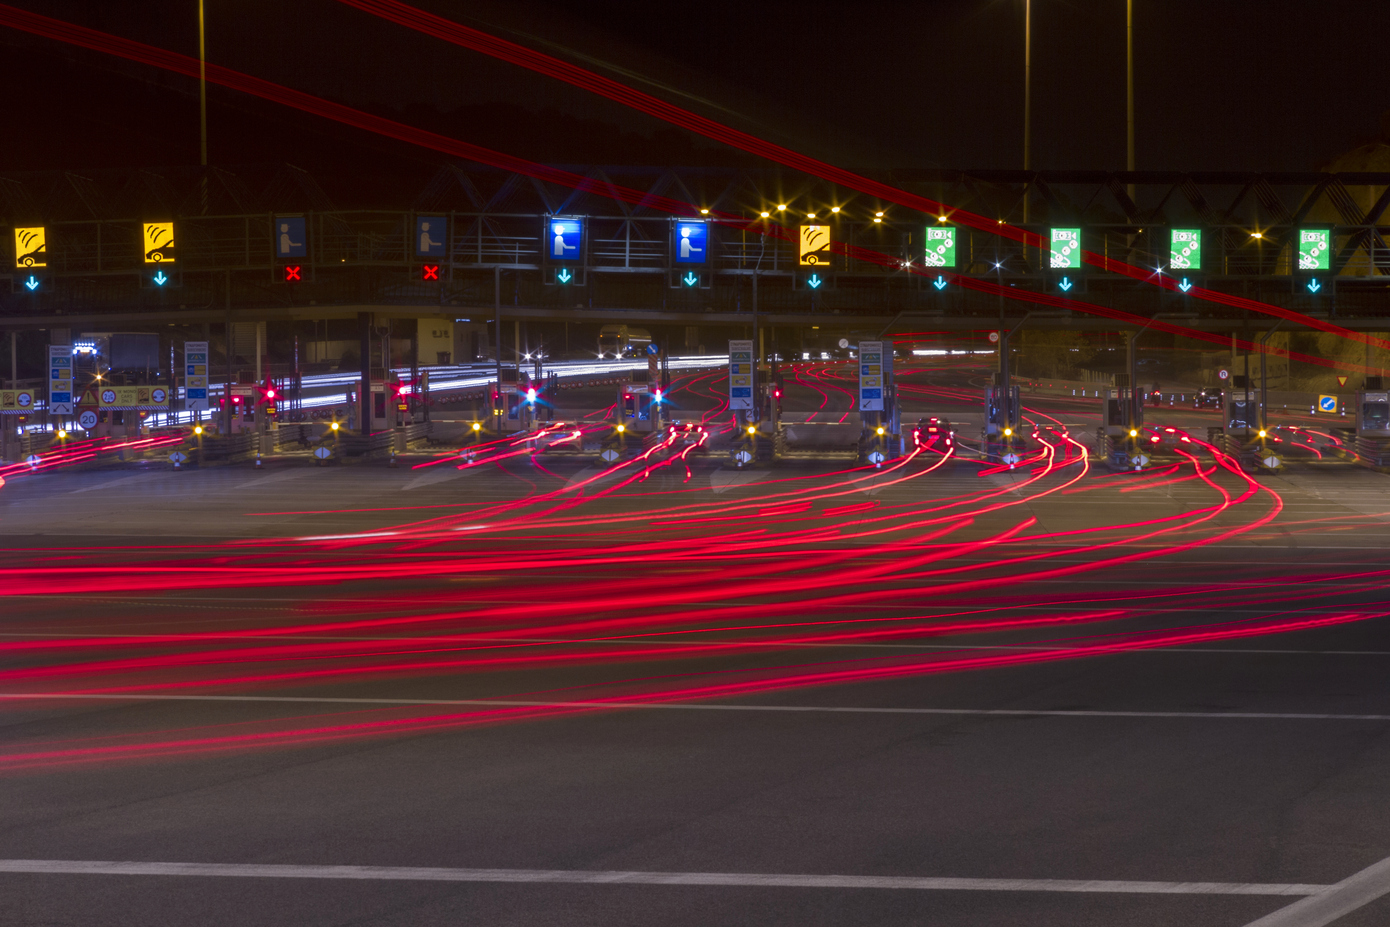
[(271, 478), (107, 484), (703, 706), (1355, 891), (722, 480), (621, 877), (438, 474)]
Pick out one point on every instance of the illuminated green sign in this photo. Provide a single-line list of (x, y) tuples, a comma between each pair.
[(1066, 249), (941, 246), (1186, 250), (1314, 249)]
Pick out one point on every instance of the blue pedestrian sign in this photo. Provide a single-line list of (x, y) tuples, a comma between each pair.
[(431, 236), (1327, 403), (566, 240), (691, 242), (289, 237)]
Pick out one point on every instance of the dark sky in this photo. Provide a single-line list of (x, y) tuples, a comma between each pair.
[(1221, 84)]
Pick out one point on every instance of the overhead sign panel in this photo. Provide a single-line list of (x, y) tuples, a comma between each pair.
[(691, 242), (874, 369), (290, 238), (195, 376), (159, 244), (132, 397), (31, 247), (60, 379), (1314, 249), (815, 245), (1185, 249), (1066, 249), (566, 240), (941, 246), (431, 236), (741, 376), (16, 401)]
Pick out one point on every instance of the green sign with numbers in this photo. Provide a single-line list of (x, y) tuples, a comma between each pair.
[(1066, 249), (941, 246), (1314, 249), (1186, 250)]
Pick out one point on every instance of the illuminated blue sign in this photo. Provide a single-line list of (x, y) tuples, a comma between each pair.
[(566, 240), (289, 236), (692, 242), (431, 236)]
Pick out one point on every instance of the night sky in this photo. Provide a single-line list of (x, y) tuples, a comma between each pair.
[(1221, 85)]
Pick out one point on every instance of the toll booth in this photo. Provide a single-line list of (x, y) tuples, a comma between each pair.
[(1373, 428), (1120, 437), (1244, 429), (1003, 439)]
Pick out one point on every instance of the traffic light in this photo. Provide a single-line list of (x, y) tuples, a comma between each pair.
[(429, 271), (293, 273)]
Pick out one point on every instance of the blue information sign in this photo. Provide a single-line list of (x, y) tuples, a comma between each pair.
[(290, 240), (431, 236), (691, 242), (566, 240)]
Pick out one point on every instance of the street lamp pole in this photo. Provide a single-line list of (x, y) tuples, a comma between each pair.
[(1129, 87), (202, 89), (1027, 94)]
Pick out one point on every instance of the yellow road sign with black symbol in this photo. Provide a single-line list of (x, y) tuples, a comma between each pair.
[(30, 247), (815, 245), (159, 243)]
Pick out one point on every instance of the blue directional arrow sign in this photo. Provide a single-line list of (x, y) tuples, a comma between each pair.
[(32, 283), (814, 281), (691, 278), (939, 282), (1065, 284), (564, 276), (1314, 286), (1184, 286), (160, 279)]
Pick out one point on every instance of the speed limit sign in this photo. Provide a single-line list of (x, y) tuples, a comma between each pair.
[(88, 419), (993, 337)]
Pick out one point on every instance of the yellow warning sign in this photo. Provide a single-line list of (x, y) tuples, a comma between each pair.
[(159, 243), (30, 247), (815, 245)]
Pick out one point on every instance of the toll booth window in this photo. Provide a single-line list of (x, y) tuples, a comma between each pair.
[(1375, 416), (1114, 413), (1243, 413)]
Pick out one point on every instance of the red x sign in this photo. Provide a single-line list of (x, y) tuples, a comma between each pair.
[(429, 272), (291, 272)]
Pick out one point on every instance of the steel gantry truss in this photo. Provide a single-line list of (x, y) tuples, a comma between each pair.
[(497, 221)]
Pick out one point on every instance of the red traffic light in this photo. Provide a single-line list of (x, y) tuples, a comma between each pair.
[(429, 271), (292, 273), (270, 392)]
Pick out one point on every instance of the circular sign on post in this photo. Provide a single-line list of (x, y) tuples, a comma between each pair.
[(653, 348), (993, 337), (158, 394), (108, 395), (25, 400), (844, 342), (323, 453), (1223, 374), (88, 419)]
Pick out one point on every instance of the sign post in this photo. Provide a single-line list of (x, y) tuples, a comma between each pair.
[(60, 379), (741, 376), (873, 376), (195, 376)]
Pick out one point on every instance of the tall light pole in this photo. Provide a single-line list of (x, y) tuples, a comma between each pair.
[(202, 88), (1027, 93), (1129, 87)]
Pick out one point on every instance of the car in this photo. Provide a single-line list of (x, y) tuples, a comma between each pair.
[(934, 433), (1207, 399)]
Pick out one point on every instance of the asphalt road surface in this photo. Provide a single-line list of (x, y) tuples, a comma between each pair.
[(540, 690)]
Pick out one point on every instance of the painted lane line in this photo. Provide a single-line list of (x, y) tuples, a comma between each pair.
[(622, 877), (1355, 891), (699, 706)]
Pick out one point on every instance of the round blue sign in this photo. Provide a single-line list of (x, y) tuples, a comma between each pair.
[(653, 349)]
